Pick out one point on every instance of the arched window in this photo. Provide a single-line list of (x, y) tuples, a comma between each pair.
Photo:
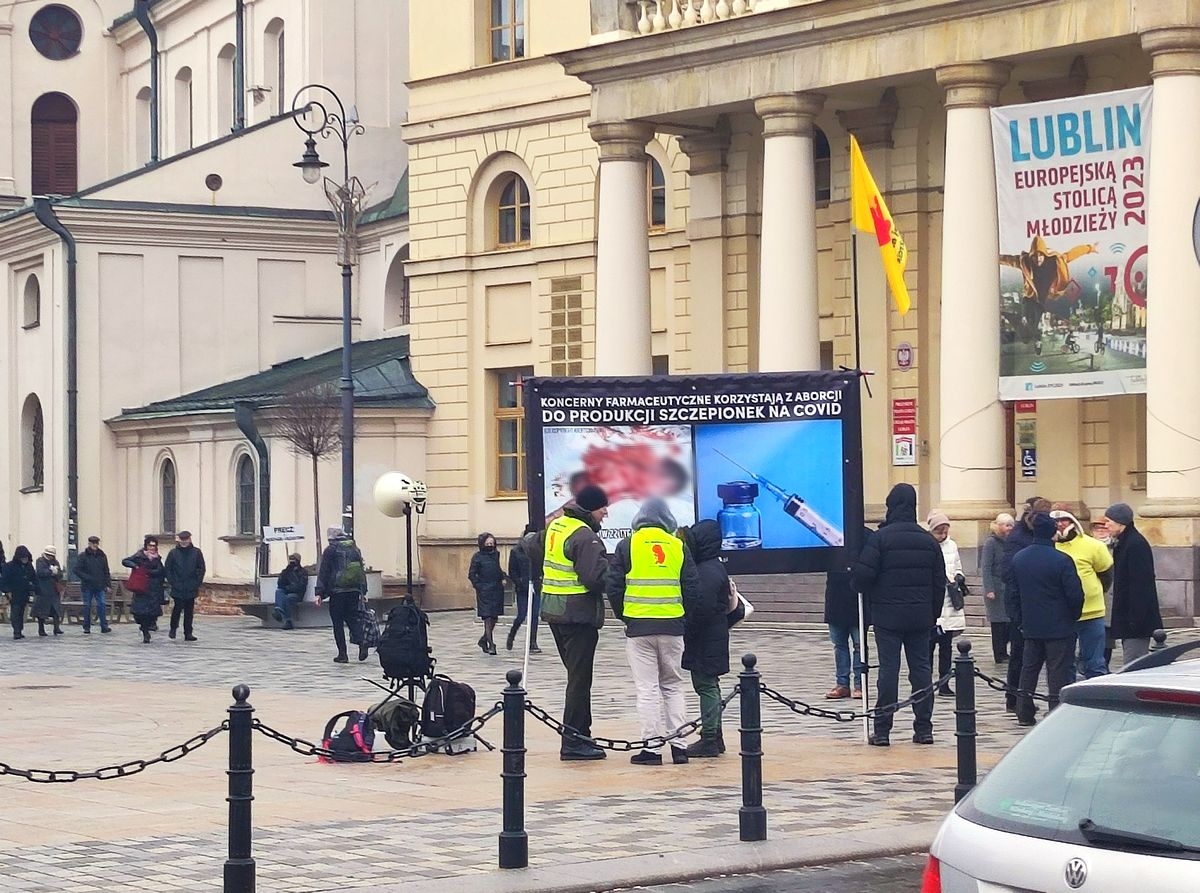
[(166, 494), (273, 61), (33, 445), (396, 293), (225, 89), (32, 310), (246, 496), (512, 212), (141, 128), (55, 145), (183, 110), (821, 166), (656, 195)]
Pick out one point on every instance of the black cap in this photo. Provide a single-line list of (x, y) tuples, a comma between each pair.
[(94, 539), (591, 498), (184, 534)]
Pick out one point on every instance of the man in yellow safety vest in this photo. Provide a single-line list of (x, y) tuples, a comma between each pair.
[(652, 581), (574, 563)]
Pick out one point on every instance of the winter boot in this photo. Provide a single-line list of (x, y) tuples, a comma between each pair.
[(146, 636), (721, 741), (707, 746), (42, 628), (511, 638)]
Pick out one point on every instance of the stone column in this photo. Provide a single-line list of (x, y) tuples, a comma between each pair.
[(788, 314), (971, 446), (1173, 313), (706, 236), (623, 251)]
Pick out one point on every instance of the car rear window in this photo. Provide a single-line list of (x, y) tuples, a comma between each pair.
[(1137, 771)]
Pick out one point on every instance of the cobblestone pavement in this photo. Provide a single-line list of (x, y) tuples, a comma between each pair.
[(420, 831), (887, 875)]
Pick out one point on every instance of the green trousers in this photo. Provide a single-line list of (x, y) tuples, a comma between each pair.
[(709, 690)]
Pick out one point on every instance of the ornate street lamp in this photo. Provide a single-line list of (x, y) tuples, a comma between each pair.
[(318, 111)]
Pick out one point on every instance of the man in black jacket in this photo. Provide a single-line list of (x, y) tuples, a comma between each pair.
[(520, 572), (289, 590), (1018, 538), (185, 572), (903, 576), (1135, 611), (342, 581), (91, 569)]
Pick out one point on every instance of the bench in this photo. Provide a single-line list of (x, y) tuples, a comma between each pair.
[(310, 615), (116, 605)]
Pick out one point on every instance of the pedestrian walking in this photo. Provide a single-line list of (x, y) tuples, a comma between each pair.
[(47, 600), (845, 631), (92, 572), (290, 588), (991, 569), (1051, 596), (1020, 537), (487, 578), (574, 564), (342, 581), (185, 573), (902, 574), (1094, 565), (1135, 610), (520, 571), (147, 581), (652, 583), (20, 582), (706, 624), (953, 617)]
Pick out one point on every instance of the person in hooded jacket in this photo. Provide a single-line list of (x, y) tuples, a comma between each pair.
[(706, 625), (1020, 537), (147, 606), (47, 602), (341, 552), (902, 574), (488, 579), (20, 582), (290, 588), (1093, 562), (520, 571), (652, 584), (1135, 611)]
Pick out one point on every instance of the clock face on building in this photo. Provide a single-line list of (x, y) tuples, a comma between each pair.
[(56, 32)]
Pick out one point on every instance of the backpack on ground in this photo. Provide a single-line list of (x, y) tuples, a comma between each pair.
[(349, 574), (354, 743), (404, 643), (398, 719), (448, 706), (364, 625)]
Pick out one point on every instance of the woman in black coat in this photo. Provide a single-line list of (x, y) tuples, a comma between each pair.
[(488, 579), (20, 582), (47, 600), (706, 634), (147, 605)]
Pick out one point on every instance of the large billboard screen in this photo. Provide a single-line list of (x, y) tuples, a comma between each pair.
[(774, 458)]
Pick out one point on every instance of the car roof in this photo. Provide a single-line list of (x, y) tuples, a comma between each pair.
[(1171, 669)]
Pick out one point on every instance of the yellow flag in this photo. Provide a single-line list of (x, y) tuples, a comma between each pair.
[(869, 213)]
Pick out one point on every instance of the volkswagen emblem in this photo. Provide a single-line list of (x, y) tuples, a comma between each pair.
[(1076, 873)]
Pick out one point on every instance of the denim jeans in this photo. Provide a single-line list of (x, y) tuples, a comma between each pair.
[(1092, 639), (97, 596), (284, 602), (843, 637)]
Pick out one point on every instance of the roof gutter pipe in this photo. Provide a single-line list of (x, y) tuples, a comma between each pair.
[(141, 11)]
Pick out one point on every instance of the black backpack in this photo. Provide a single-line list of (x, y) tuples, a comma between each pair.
[(397, 718), (448, 706), (354, 743), (403, 648)]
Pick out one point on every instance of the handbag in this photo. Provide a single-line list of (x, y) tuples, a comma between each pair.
[(139, 580), (954, 592)]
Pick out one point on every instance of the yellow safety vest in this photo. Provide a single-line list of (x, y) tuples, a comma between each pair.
[(559, 578), (652, 588)]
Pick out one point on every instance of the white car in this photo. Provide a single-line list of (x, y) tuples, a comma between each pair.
[(1103, 796)]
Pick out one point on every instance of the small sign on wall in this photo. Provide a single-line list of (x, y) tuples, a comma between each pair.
[(1029, 462), (289, 533), (904, 431)]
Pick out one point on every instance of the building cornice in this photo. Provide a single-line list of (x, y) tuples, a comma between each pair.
[(540, 111)]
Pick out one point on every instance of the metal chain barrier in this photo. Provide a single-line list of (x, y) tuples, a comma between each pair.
[(998, 685), (419, 749), (121, 770), (802, 709), (619, 745)]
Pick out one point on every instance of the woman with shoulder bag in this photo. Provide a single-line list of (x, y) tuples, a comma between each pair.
[(146, 582), (953, 619)]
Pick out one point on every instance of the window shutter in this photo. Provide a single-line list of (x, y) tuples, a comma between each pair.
[(55, 158)]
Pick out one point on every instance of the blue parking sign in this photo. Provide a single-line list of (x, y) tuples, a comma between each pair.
[(1028, 462)]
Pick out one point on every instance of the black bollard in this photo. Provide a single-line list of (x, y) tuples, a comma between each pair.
[(239, 867), (964, 719), (1160, 640), (514, 840), (752, 817)]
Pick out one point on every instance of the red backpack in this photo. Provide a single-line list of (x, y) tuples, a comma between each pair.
[(354, 743)]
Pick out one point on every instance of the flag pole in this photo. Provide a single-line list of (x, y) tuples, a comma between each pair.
[(862, 625)]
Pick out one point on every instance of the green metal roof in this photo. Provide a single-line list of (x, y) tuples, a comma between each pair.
[(381, 370), (396, 206)]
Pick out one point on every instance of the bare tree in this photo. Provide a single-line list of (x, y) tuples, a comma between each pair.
[(310, 421)]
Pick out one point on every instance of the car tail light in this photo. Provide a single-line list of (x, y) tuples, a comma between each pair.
[(1167, 696), (932, 882)]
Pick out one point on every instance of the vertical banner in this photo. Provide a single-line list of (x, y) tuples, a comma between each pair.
[(1071, 179), (775, 459)]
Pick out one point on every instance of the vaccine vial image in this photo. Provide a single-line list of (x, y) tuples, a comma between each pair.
[(741, 523)]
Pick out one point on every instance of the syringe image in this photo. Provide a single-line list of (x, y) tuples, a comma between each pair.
[(796, 507)]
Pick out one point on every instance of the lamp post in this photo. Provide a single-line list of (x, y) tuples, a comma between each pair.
[(318, 111)]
